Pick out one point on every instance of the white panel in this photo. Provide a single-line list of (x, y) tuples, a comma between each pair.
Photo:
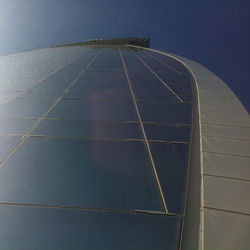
[(227, 194), (226, 231), (226, 146), (226, 165), (226, 131)]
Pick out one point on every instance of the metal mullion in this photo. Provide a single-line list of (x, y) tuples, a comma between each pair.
[(144, 134), (167, 65), (47, 77), (134, 211), (163, 82), (46, 113)]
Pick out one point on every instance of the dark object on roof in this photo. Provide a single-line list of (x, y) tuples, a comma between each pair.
[(143, 42)]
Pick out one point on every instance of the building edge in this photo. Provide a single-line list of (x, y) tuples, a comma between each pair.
[(217, 213)]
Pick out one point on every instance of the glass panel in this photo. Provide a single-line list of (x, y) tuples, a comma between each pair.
[(172, 63), (156, 97), (106, 61), (89, 129), (41, 94), (47, 228), (94, 111), (61, 79), (98, 95), (96, 77), (180, 89), (92, 86), (171, 164), (55, 82), (150, 88), (23, 108), (165, 112), (7, 143), (15, 126), (186, 97), (165, 72), (8, 94), (97, 174), (168, 133)]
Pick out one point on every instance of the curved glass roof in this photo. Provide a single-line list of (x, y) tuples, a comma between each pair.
[(94, 148)]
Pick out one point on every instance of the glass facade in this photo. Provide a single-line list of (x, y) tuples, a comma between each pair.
[(94, 148)]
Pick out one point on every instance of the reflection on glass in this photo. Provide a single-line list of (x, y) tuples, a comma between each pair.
[(165, 112), (7, 143), (88, 130), (176, 133), (48, 228), (97, 174), (171, 164), (25, 108), (94, 110)]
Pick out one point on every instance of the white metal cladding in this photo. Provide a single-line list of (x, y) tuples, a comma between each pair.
[(218, 203)]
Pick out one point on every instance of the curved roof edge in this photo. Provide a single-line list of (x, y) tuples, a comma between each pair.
[(218, 206), (138, 41)]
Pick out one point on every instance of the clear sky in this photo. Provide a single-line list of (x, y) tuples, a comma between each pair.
[(215, 33)]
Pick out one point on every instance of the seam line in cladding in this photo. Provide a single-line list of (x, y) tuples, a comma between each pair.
[(45, 114), (225, 125), (227, 177), (143, 131), (164, 83), (227, 137), (220, 153), (227, 211), (54, 72)]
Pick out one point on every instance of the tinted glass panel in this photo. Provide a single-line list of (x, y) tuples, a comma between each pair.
[(100, 87), (47, 228), (15, 126), (8, 94), (96, 130), (141, 86), (156, 97), (170, 62), (107, 62), (102, 77), (23, 108), (165, 112), (171, 164), (166, 73), (41, 94), (97, 174), (7, 143), (105, 95), (180, 89), (167, 133), (94, 110)]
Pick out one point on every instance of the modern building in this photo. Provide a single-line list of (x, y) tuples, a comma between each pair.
[(108, 144)]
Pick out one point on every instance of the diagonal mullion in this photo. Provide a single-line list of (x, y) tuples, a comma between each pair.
[(163, 82), (144, 133), (46, 113), (159, 60), (44, 79)]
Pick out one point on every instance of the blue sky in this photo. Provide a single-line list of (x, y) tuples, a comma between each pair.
[(214, 33)]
